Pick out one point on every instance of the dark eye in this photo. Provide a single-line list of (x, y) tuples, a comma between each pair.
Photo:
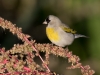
[(47, 20)]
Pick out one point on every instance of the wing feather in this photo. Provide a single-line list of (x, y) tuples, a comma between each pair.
[(67, 29)]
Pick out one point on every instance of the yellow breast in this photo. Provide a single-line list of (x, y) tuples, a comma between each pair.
[(52, 34)]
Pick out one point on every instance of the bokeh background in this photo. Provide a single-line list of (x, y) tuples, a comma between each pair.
[(81, 15)]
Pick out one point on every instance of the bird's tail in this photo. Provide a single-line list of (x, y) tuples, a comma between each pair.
[(79, 35)]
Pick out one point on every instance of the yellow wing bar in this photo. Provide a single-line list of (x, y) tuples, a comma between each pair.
[(68, 30)]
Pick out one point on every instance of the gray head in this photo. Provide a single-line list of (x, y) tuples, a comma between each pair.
[(52, 20)]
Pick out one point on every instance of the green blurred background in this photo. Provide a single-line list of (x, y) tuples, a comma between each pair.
[(81, 15)]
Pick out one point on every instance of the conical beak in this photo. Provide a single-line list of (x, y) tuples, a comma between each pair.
[(44, 22)]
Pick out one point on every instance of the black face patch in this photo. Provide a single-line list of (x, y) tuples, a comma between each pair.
[(47, 20)]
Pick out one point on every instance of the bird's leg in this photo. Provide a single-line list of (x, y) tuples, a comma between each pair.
[(66, 47)]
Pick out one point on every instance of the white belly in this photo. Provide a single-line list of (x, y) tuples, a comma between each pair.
[(65, 39)]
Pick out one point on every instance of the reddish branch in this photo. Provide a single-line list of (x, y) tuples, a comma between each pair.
[(11, 64)]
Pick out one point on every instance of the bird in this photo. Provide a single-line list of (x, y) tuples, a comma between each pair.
[(59, 33)]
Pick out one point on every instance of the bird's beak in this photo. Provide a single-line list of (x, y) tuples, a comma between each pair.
[(44, 22)]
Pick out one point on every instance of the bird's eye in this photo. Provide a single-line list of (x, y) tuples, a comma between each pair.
[(47, 20)]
